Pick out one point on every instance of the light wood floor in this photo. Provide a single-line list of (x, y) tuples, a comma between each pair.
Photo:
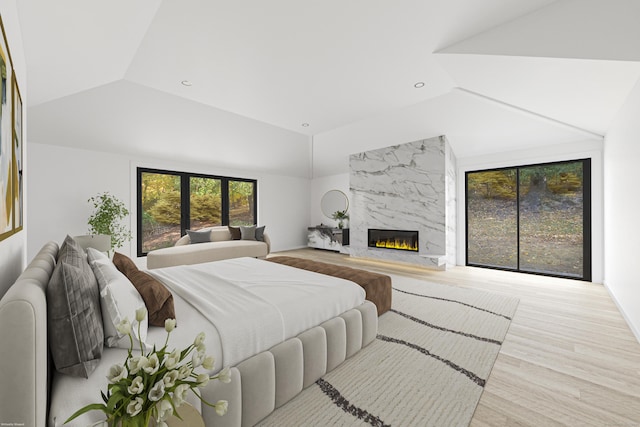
[(568, 359)]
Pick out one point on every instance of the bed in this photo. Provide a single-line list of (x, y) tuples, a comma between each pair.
[(270, 364)]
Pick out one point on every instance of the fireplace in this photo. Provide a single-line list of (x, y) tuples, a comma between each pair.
[(402, 240)]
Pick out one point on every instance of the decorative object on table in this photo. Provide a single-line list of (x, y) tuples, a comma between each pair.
[(108, 212), (155, 384), (340, 216)]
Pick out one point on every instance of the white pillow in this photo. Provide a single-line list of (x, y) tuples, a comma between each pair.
[(118, 299)]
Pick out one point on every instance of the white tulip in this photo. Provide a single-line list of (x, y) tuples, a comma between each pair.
[(184, 372), (199, 339), (202, 380), (197, 358), (224, 376), (137, 386), (161, 424), (157, 391), (116, 373), (221, 407), (141, 313), (180, 394), (169, 325), (171, 360), (135, 406), (136, 363), (208, 362), (170, 379), (153, 365), (124, 327), (165, 410)]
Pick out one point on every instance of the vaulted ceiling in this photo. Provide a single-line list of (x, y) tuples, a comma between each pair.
[(568, 65)]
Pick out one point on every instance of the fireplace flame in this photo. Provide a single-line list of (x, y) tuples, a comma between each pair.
[(397, 244)]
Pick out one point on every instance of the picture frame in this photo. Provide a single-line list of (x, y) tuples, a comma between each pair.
[(18, 157), (7, 204)]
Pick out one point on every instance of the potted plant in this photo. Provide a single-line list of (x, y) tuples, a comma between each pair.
[(340, 216), (154, 384), (108, 212)]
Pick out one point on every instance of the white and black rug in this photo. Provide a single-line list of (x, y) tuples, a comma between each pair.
[(427, 367)]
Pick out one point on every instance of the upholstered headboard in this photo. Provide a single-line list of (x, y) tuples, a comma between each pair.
[(23, 341)]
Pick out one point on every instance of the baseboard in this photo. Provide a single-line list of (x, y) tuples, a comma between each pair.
[(634, 330)]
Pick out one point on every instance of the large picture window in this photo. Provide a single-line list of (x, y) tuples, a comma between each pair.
[(533, 219), (169, 203)]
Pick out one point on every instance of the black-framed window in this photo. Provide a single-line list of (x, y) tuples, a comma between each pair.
[(170, 202), (532, 219)]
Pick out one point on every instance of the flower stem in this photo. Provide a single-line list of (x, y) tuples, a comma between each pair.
[(140, 341)]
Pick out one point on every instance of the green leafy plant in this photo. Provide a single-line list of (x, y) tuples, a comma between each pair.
[(340, 216), (108, 212)]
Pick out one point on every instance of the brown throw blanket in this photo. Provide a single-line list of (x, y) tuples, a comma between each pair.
[(377, 286)]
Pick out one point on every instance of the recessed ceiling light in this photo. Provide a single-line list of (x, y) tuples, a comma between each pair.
[(305, 125), (418, 85), (186, 83)]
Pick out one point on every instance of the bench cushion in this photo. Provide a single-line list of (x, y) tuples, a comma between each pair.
[(206, 252)]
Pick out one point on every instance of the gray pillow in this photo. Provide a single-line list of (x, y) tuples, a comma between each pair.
[(199, 236), (260, 233), (248, 232), (74, 319)]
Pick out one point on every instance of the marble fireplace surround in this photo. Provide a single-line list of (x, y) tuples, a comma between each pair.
[(405, 187)]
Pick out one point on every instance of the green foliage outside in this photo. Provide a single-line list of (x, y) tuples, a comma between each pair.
[(558, 179), (161, 206), (108, 212), (241, 203), (493, 184)]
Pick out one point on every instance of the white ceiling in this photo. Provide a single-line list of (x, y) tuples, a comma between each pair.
[(335, 64)]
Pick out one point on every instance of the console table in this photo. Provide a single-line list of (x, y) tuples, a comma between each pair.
[(332, 239)]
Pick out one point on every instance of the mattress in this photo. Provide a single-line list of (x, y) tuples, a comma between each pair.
[(255, 304)]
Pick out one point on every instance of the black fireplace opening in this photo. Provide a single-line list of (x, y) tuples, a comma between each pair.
[(401, 240)]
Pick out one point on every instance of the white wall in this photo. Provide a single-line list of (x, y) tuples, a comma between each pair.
[(63, 179), (13, 249), (554, 153), (61, 182), (621, 208)]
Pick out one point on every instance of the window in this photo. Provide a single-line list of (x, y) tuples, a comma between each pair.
[(533, 219), (170, 202)]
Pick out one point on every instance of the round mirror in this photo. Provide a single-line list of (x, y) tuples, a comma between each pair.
[(332, 201)]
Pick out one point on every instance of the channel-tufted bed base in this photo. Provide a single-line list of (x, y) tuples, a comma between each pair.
[(259, 384), (268, 380)]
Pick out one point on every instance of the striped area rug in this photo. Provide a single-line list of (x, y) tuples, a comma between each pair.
[(427, 367)]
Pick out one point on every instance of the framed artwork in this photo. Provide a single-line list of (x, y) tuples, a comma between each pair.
[(6, 136), (18, 184)]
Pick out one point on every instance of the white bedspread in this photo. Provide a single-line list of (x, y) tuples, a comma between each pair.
[(256, 304)]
